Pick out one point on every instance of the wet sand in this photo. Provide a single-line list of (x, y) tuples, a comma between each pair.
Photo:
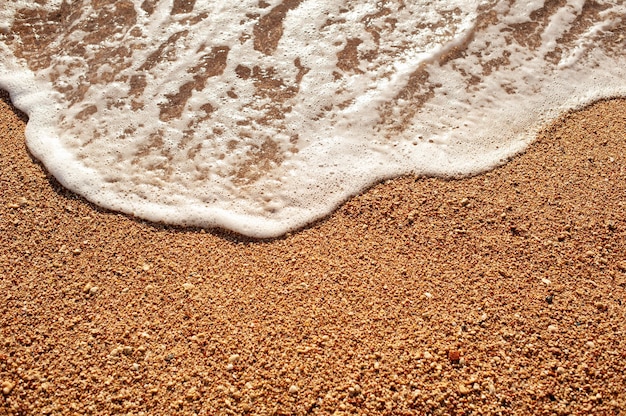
[(501, 293)]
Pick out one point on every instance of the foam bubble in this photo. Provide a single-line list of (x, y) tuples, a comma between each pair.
[(262, 116)]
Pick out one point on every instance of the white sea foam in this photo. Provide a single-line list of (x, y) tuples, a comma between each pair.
[(262, 116)]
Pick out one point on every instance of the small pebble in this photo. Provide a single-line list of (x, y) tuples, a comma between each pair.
[(192, 393), (93, 290), (355, 390), (552, 328), (427, 355), (7, 387), (454, 356), (293, 389), (233, 358), (463, 389)]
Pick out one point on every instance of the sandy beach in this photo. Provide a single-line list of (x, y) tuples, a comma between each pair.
[(502, 293)]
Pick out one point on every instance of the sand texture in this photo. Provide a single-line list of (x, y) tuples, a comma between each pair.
[(498, 294)]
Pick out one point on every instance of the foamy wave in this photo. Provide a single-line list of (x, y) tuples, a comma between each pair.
[(262, 116)]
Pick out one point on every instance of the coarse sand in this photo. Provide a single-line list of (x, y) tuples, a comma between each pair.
[(503, 293)]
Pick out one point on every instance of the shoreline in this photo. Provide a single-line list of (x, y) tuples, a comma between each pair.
[(501, 292)]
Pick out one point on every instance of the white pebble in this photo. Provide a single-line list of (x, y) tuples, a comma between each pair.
[(293, 389), (7, 387)]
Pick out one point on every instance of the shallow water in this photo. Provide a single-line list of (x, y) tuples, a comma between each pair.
[(261, 117)]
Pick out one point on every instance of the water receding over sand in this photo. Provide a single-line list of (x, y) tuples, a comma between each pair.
[(260, 117)]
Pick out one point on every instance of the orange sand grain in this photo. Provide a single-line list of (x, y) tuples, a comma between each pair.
[(499, 293)]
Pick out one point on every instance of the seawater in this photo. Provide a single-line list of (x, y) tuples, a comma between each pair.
[(262, 116)]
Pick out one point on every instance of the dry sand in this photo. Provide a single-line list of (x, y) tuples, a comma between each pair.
[(499, 294)]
